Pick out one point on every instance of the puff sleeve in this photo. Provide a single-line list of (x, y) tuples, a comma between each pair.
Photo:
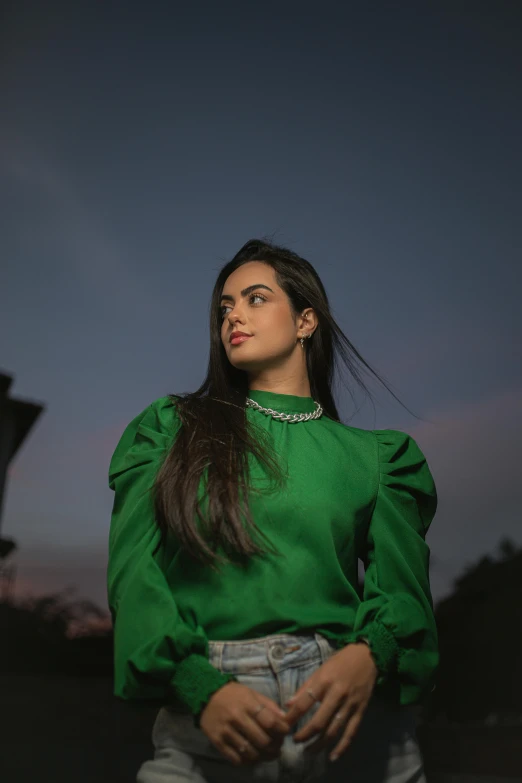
[(396, 615), (157, 656)]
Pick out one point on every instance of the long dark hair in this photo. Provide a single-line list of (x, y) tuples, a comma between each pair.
[(213, 441)]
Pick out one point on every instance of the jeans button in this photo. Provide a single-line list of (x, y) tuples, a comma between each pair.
[(278, 651)]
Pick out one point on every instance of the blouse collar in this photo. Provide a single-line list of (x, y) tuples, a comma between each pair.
[(289, 403)]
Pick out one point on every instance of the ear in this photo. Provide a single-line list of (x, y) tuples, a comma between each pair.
[(307, 321)]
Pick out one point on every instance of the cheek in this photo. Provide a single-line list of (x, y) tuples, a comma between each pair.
[(276, 330), (280, 321)]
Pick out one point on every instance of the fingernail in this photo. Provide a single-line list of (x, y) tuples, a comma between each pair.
[(334, 757)]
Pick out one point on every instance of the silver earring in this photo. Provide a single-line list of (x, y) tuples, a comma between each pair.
[(302, 339)]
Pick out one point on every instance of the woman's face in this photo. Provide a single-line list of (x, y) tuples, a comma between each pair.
[(252, 302)]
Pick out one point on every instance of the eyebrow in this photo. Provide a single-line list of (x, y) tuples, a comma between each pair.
[(246, 291)]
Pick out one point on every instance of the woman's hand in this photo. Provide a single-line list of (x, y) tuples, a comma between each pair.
[(343, 685), (237, 726)]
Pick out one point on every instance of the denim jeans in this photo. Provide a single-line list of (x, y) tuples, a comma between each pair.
[(384, 749)]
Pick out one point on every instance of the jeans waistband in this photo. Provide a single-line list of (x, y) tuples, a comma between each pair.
[(276, 652)]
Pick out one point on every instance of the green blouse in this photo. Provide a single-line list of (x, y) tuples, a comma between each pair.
[(350, 493)]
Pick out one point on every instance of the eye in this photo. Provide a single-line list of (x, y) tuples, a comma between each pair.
[(259, 296), (250, 298)]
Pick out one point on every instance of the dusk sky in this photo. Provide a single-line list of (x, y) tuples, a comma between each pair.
[(141, 144)]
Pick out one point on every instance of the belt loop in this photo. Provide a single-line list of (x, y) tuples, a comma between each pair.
[(324, 646), (216, 651)]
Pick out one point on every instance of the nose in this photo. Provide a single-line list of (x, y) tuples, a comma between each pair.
[(234, 316)]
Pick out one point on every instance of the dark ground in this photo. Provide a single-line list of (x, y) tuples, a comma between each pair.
[(62, 729)]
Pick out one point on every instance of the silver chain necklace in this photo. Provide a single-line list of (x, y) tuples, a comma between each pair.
[(289, 417)]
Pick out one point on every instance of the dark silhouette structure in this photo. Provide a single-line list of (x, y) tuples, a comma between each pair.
[(16, 419)]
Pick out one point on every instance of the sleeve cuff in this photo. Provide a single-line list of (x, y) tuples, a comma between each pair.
[(383, 646), (195, 681)]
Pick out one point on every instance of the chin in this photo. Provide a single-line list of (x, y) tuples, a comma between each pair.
[(247, 364)]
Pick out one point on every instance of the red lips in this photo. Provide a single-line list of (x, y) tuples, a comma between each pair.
[(238, 334)]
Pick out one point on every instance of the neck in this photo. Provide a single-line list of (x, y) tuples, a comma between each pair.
[(300, 387)]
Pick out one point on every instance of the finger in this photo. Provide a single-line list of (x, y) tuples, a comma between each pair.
[(255, 733), (292, 716), (241, 751), (271, 721), (272, 718), (299, 710), (302, 694), (231, 754), (322, 719), (239, 748), (301, 703), (264, 729), (348, 735), (332, 731), (260, 698)]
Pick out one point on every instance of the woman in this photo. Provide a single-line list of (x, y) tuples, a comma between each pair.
[(220, 631)]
